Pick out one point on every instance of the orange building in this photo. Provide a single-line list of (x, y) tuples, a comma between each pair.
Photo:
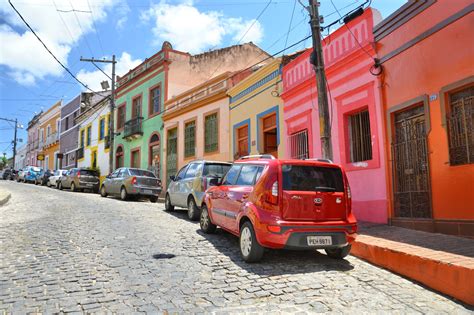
[(49, 137), (427, 53)]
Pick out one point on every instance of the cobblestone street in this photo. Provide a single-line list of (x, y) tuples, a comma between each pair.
[(77, 252)]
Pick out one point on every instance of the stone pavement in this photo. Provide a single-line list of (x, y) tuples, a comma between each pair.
[(63, 252), (442, 262), (4, 196)]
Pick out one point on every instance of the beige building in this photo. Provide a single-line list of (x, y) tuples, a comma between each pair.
[(49, 126)]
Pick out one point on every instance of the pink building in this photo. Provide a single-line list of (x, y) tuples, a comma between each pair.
[(356, 113)]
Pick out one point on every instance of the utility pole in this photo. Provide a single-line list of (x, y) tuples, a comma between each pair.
[(112, 107), (317, 61), (14, 137)]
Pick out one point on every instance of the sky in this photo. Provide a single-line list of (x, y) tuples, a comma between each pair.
[(31, 80)]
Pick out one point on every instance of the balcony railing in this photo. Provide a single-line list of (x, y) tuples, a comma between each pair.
[(79, 153), (133, 128), (52, 139)]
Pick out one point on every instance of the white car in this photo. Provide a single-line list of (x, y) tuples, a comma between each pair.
[(53, 180)]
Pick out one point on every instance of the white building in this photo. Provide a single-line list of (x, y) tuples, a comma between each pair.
[(20, 158), (93, 125)]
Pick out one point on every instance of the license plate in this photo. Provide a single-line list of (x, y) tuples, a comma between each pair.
[(319, 240), (148, 191), (89, 184)]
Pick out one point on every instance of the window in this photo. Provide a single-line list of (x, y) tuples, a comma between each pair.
[(121, 116), (82, 138), (299, 145), (102, 128), (119, 157), (247, 175), (460, 119), (88, 138), (360, 137), (135, 159), (259, 173), (312, 178), (231, 175), (154, 154), (211, 133), (135, 172), (172, 151), (193, 169), (214, 169), (48, 131), (66, 124), (181, 173), (137, 107), (155, 101), (189, 138), (243, 141), (270, 138)]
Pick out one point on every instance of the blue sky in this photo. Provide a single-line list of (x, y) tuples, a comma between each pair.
[(30, 79)]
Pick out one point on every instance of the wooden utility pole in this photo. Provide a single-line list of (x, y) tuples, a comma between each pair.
[(112, 107), (317, 61)]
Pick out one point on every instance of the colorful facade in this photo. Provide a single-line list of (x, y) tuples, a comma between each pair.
[(142, 92), (33, 140), (69, 131), (428, 91), (355, 108), (196, 124), (94, 148), (49, 126), (256, 113)]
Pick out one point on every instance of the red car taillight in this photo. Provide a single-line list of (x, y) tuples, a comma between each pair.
[(273, 196), (134, 180), (78, 173)]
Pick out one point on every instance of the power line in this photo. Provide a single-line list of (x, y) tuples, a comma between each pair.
[(289, 26), (49, 51), (108, 76), (95, 28), (248, 29), (80, 26)]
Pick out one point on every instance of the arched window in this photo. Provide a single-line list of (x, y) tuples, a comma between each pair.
[(154, 154), (119, 157)]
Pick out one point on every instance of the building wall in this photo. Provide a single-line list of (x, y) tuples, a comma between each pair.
[(20, 159), (96, 144), (250, 101), (428, 67), (352, 89), (50, 144), (68, 137)]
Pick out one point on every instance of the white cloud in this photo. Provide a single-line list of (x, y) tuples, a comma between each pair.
[(23, 55), (93, 78), (191, 30)]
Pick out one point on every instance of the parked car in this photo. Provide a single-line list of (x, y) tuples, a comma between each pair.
[(53, 180), (44, 178), (188, 186), (20, 175), (292, 204), (29, 174), (2, 173), (13, 174), (80, 179), (126, 182)]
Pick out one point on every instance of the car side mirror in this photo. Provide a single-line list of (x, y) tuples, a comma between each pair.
[(215, 181), (173, 178)]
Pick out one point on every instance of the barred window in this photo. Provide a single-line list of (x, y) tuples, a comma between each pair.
[(460, 119), (299, 145), (360, 137), (189, 138), (211, 133)]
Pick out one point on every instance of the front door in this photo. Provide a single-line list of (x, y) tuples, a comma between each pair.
[(412, 193), (171, 153)]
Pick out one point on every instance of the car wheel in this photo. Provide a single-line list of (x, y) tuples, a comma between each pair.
[(154, 199), (103, 193), (123, 194), (193, 210), (206, 225), (48, 184), (73, 187), (60, 186), (338, 253), (168, 205), (250, 249)]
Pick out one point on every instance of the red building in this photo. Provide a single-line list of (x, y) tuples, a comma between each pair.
[(356, 113)]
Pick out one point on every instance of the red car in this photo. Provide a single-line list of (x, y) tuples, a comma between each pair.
[(292, 204)]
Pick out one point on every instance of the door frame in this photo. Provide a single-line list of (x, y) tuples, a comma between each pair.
[(390, 123)]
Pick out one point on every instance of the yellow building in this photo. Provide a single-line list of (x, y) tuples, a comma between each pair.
[(49, 137), (256, 113)]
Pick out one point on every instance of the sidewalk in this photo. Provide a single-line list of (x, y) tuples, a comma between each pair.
[(442, 262), (4, 197)]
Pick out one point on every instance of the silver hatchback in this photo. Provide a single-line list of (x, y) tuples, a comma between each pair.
[(187, 188), (126, 182)]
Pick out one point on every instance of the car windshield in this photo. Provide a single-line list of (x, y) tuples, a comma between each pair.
[(36, 169), (89, 172), (138, 172), (215, 169), (312, 178)]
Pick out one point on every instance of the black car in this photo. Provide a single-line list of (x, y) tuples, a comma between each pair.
[(44, 179), (7, 174)]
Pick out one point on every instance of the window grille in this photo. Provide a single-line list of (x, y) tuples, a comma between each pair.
[(299, 145), (360, 137), (460, 120), (211, 133), (189, 139)]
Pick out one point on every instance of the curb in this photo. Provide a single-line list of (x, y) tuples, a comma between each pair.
[(4, 197), (453, 278)]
